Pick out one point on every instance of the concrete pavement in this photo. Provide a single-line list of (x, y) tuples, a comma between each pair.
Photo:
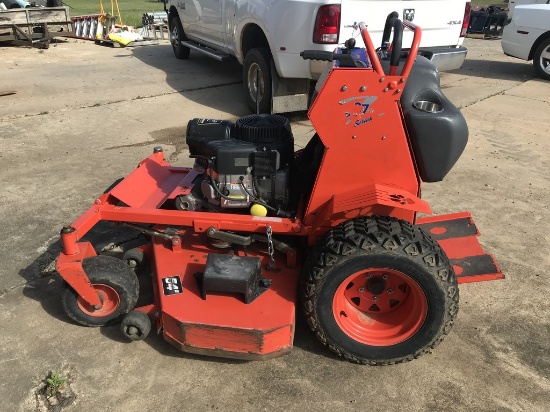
[(84, 115)]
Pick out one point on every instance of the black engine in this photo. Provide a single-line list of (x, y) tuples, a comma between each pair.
[(240, 163)]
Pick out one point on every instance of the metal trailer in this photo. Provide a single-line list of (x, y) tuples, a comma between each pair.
[(34, 27)]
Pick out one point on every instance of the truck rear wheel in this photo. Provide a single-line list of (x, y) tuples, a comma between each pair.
[(257, 79), (379, 291), (176, 37)]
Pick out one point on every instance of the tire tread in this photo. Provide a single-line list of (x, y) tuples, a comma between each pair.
[(387, 235)]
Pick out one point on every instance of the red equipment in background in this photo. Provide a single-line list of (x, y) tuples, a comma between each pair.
[(335, 221)]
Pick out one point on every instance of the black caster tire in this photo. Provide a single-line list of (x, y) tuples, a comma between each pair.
[(117, 286), (135, 259), (379, 291), (136, 325)]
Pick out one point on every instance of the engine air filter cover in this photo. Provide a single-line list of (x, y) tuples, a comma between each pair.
[(267, 132)]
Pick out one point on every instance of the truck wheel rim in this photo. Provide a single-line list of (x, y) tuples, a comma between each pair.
[(107, 295), (174, 36), (544, 60), (255, 72), (379, 307)]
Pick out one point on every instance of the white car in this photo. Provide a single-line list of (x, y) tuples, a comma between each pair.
[(527, 36)]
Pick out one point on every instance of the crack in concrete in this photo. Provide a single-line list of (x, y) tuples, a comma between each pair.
[(503, 92), (46, 269), (529, 98), (481, 100), (5, 291), (15, 117)]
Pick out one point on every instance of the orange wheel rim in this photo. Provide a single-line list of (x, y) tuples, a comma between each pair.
[(379, 307), (108, 296)]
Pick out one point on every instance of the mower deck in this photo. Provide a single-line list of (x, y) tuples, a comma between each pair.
[(222, 323)]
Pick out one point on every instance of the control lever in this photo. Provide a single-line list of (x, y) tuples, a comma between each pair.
[(349, 45), (345, 59)]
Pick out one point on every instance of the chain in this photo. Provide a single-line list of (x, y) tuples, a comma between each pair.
[(270, 248)]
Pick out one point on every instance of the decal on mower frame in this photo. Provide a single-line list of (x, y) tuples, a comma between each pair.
[(172, 285), (365, 104)]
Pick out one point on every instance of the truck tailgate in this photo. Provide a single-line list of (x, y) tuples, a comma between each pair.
[(440, 20)]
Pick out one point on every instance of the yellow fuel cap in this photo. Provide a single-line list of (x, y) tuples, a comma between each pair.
[(258, 210)]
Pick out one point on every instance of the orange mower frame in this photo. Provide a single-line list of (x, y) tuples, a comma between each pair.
[(378, 285)]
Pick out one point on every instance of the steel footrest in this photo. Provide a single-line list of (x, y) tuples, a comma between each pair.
[(457, 235)]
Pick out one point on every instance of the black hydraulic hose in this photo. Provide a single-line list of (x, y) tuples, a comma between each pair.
[(392, 21), (278, 212), (215, 185), (387, 27), (397, 42), (252, 196)]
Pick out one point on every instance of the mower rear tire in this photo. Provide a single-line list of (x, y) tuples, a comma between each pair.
[(117, 286), (379, 291), (136, 325)]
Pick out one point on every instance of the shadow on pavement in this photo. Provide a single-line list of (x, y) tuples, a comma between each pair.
[(197, 73), (498, 70)]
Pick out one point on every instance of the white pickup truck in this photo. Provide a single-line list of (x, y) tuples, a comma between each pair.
[(267, 36)]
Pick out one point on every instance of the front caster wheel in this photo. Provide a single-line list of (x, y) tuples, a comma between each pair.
[(135, 259), (136, 325), (117, 286), (379, 291)]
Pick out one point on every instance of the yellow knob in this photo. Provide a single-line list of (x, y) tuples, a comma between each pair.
[(258, 210)]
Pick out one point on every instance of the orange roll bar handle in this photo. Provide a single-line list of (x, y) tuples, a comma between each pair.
[(373, 56), (371, 51), (414, 47)]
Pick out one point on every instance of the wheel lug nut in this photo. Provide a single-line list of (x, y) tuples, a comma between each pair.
[(374, 298), (361, 289), (389, 291), (385, 277)]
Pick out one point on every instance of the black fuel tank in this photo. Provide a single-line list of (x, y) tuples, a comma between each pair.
[(202, 131), (437, 129)]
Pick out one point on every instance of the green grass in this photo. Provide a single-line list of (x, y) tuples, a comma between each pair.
[(488, 3), (54, 383), (131, 11)]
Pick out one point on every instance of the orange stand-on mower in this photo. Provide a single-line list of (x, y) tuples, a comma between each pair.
[(233, 242)]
